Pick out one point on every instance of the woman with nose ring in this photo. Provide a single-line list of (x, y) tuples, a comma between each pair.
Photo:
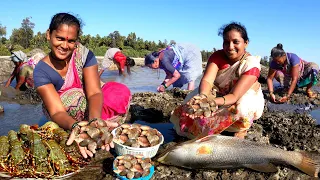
[(286, 67), (233, 73)]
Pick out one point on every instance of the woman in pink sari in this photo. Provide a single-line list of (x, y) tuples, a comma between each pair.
[(67, 81), (234, 73)]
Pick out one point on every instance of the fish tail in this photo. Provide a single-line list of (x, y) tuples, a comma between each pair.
[(310, 163)]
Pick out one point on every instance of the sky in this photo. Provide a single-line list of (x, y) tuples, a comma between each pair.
[(290, 22)]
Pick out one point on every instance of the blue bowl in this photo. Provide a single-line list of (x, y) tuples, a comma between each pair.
[(140, 178)]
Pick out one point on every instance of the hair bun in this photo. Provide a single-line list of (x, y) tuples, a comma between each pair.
[(280, 46)]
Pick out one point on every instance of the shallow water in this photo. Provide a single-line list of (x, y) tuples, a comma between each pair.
[(16, 114), (316, 115), (142, 79)]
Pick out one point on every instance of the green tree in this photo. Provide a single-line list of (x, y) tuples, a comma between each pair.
[(23, 35), (3, 32)]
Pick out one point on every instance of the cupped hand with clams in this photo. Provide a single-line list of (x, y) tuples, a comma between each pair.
[(92, 136), (200, 106)]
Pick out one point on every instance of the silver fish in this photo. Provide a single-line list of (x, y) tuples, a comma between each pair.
[(221, 152)]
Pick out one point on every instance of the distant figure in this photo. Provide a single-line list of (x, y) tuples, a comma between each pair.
[(182, 64), (22, 72), (286, 67), (114, 55)]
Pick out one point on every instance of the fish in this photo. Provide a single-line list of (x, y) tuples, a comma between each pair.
[(225, 152)]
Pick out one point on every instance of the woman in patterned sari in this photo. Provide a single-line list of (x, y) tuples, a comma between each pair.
[(67, 81), (234, 73)]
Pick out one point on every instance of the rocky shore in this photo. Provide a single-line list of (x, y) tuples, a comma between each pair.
[(290, 129)]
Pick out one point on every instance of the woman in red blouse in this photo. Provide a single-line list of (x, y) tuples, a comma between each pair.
[(234, 73)]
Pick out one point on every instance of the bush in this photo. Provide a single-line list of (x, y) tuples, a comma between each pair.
[(4, 51)]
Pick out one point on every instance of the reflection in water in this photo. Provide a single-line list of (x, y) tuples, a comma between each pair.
[(16, 114)]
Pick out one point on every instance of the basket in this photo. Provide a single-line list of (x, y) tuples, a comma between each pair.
[(147, 152)]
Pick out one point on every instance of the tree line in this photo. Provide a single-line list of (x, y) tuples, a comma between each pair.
[(26, 40)]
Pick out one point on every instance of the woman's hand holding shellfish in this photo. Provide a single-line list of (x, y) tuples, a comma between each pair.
[(200, 106), (91, 135)]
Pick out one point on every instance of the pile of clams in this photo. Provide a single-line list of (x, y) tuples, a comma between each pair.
[(132, 166), (137, 136)]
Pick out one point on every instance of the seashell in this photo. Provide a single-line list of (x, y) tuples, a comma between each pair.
[(125, 131), (144, 127), (196, 107), (121, 167), (123, 138), (104, 129), (197, 97), (190, 111), (153, 139), (146, 172), (136, 126), (128, 157), (125, 126), (205, 100), (204, 105), (137, 175), (213, 109), (92, 131), (83, 123), (143, 141), (146, 165), (127, 164), (212, 103), (207, 113), (107, 137), (137, 168), (130, 174), (118, 131), (199, 112)]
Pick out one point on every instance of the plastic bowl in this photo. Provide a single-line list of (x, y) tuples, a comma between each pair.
[(140, 178), (147, 152)]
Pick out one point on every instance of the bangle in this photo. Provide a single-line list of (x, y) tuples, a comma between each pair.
[(224, 101), (164, 85), (74, 125), (270, 92), (92, 120)]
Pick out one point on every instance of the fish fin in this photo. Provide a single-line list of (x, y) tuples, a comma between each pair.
[(265, 167), (310, 163), (162, 157)]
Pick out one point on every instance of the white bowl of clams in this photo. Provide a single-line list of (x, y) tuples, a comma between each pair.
[(137, 139)]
